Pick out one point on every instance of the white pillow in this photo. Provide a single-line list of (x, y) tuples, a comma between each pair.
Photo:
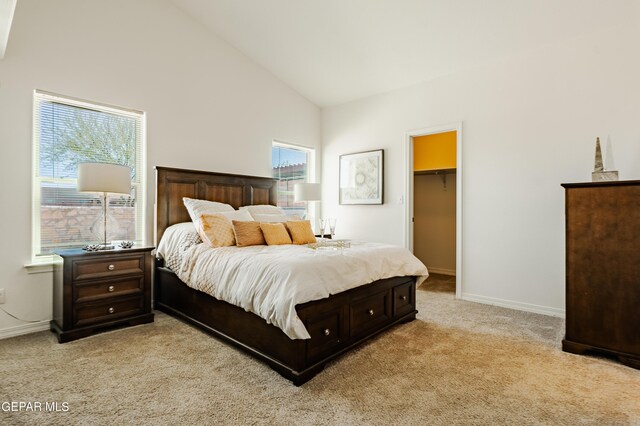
[(269, 218), (241, 215), (263, 209), (196, 208)]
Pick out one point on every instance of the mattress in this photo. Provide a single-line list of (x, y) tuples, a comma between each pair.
[(271, 280)]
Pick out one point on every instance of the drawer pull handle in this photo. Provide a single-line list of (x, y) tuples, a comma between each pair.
[(327, 332), (403, 297), (110, 310), (111, 267), (371, 312), (111, 288)]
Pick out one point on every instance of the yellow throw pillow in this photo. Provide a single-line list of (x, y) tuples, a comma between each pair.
[(216, 230), (275, 234), (301, 232), (248, 233)]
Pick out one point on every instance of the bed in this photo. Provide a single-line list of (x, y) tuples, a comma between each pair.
[(335, 324)]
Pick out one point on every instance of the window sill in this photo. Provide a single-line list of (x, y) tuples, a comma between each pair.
[(40, 267)]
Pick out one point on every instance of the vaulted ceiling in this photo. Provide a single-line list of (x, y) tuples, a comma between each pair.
[(7, 7), (334, 51)]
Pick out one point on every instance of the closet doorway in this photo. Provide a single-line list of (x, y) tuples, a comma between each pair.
[(434, 194)]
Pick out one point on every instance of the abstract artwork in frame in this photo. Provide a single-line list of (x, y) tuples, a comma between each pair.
[(362, 177)]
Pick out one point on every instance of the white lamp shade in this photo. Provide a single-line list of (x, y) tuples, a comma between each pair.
[(307, 192), (104, 177)]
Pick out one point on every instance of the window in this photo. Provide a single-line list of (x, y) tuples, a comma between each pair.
[(291, 165), (66, 132)]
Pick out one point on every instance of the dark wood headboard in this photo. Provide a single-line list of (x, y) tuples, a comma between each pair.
[(236, 190)]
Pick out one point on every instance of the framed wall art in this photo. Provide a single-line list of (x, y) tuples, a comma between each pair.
[(362, 177)]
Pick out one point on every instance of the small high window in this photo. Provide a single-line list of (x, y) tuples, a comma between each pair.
[(291, 164)]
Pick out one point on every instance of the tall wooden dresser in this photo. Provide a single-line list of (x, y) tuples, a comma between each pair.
[(603, 269)]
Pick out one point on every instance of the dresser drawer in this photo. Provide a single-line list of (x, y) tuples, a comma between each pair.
[(328, 330), (403, 302), (108, 267), (107, 310), (107, 289), (370, 312)]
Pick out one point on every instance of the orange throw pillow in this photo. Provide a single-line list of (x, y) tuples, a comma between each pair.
[(301, 232), (248, 233), (216, 230), (275, 234)]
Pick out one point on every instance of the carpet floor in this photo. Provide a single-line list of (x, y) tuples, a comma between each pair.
[(459, 363)]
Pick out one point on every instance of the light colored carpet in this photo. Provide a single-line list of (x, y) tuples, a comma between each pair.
[(459, 363), (442, 309)]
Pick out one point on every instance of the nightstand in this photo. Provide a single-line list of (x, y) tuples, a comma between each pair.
[(96, 290)]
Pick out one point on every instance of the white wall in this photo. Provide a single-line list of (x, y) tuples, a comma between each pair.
[(529, 123), (434, 227), (208, 107)]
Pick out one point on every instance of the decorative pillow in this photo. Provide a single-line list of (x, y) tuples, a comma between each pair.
[(197, 208), (269, 217), (216, 230), (301, 232), (275, 234), (248, 233)]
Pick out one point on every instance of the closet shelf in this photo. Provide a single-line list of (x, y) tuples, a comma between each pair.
[(435, 172)]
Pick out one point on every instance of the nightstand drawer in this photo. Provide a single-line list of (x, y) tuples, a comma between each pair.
[(108, 267), (108, 310), (105, 289)]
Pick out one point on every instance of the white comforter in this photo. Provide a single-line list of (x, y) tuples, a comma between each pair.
[(271, 280)]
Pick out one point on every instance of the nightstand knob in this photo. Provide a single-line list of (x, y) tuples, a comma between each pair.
[(111, 267), (327, 332), (403, 297), (111, 310), (111, 288), (371, 312)]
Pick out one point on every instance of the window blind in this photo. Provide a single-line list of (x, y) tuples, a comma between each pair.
[(68, 131)]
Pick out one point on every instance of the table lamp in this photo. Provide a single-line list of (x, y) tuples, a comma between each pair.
[(104, 178), (307, 192)]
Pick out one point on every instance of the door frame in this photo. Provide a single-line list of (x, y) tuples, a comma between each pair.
[(409, 204)]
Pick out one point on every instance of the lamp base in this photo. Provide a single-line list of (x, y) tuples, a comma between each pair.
[(98, 247)]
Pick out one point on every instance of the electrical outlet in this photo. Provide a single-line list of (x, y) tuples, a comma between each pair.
[(1, 296)]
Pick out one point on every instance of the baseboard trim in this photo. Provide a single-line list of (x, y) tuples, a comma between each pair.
[(19, 330), (528, 307), (441, 271)]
